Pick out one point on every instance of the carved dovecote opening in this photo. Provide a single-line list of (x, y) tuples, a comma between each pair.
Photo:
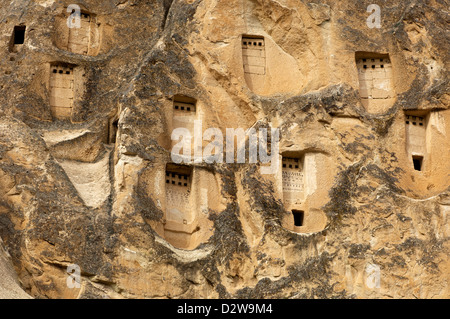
[(61, 90), (414, 120), (293, 185), (113, 129), (184, 113), (184, 106), (254, 54), (302, 187), (416, 138), (79, 34), (179, 220), (175, 178), (292, 180), (187, 195), (17, 38), (417, 162), (375, 80), (79, 38)]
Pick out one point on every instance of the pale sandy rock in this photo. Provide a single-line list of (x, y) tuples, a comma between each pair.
[(10, 287), (91, 180)]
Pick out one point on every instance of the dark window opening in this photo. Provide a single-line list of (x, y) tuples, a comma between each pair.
[(19, 34), (417, 161), (112, 128), (115, 128), (298, 217)]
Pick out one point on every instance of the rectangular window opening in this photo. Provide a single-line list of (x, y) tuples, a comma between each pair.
[(299, 216), (375, 78), (114, 127), (418, 162), (61, 90), (19, 34)]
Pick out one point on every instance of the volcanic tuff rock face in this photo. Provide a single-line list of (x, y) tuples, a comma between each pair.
[(358, 207)]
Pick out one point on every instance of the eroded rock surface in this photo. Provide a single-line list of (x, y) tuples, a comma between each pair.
[(9, 285)]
